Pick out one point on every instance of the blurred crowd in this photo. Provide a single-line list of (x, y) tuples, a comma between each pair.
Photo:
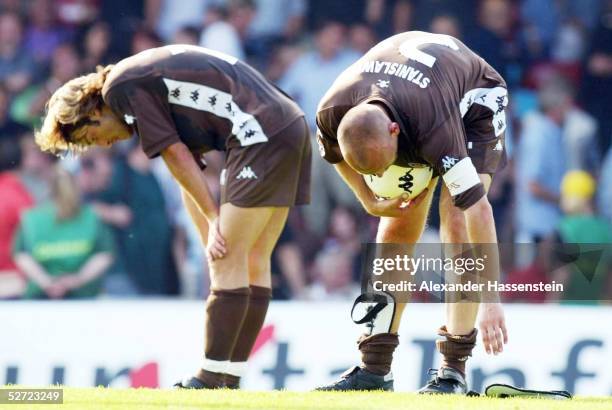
[(110, 223)]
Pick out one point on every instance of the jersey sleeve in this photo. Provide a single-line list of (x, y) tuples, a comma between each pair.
[(326, 138), (145, 106), (445, 150)]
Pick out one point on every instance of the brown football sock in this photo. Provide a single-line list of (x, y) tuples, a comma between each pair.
[(225, 313), (456, 349), (377, 352), (259, 300)]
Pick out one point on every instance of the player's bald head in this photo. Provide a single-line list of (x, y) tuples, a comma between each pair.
[(368, 138)]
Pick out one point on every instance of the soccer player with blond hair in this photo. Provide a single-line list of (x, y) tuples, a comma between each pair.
[(183, 101)]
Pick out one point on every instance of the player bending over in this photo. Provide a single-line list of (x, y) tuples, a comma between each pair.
[(184, 101), (421, 98)]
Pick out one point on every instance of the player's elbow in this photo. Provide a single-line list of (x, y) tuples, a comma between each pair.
[(178, 159), (176, 153)]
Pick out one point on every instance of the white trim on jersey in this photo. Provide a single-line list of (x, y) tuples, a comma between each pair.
[(176, 49), (200, 97), (495, 99), (461, 177)]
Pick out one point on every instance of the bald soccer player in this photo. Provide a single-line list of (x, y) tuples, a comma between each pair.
[(422, 98), (184, 101)]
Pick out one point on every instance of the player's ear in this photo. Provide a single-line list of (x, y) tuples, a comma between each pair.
[(394, 129)]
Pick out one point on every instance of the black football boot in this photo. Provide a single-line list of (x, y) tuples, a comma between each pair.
[(357, 378), (446, 380), (193, 383)]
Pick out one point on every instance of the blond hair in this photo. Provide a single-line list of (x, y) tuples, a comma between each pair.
[(68, 110), (65, 194)]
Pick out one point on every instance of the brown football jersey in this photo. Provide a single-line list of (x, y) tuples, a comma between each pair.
[(439, 92), (205, 99)]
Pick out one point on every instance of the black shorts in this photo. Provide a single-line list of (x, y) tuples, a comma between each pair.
[(273, 173)]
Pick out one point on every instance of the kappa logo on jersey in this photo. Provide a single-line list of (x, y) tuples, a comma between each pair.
[(246, 173), (448, 162), (383, 83), (129, 119)]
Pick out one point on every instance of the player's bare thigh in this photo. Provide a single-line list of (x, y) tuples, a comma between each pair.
[(258, 259), (261, 253), (241, 227), (408, 228)]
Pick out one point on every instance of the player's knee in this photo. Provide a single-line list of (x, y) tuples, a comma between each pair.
[(398, 232), (229, 269), (259, 263), (453, 229)]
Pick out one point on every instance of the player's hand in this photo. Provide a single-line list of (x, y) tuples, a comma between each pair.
[(216, 248), (493, 328), (394, 207)]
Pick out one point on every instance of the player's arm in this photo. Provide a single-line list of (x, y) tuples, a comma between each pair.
[(356, 182), (382, 208), (196, 215), (480, 226), (330, 151), (468, 192), (187, 173), (480, 223)]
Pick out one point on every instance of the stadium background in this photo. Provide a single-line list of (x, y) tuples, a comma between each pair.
[(556, 56)]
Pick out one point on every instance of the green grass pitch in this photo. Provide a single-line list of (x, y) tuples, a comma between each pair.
[(141, 399)]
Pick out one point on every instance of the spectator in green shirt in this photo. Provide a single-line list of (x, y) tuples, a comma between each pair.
[(586, 239), (62, 246)]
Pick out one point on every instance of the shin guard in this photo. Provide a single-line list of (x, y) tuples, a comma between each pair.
[(377, 344)]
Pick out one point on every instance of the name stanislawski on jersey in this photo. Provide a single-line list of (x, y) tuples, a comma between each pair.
[(403, 71)]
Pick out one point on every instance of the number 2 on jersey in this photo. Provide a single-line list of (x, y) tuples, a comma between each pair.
[(409, 48)]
